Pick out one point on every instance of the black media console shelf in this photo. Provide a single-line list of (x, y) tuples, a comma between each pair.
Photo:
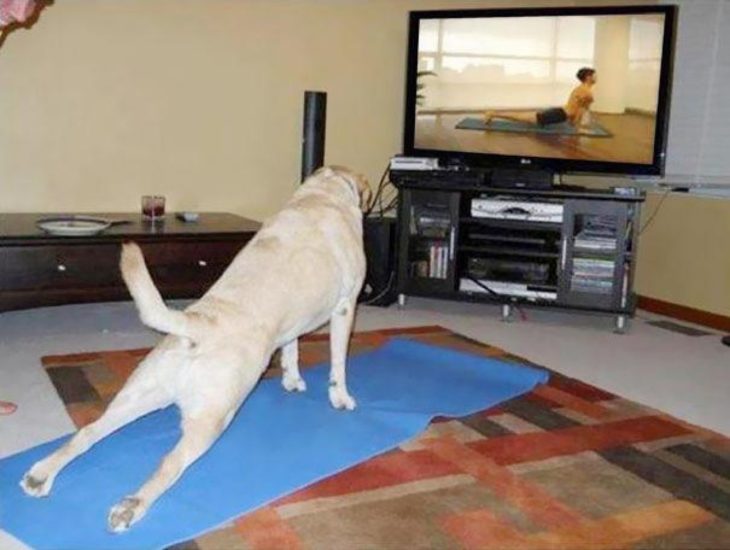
[(562, 247)]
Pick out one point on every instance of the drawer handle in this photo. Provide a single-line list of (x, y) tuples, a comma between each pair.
[(202, 263), (61, 267)]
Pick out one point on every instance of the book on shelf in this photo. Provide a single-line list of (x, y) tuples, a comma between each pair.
[(438, 261), (436, 264), (598, 234)]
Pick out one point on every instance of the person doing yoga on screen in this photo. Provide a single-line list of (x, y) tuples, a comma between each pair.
[(576, 107)]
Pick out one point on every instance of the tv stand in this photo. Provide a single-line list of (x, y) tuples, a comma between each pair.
[(461, 239)]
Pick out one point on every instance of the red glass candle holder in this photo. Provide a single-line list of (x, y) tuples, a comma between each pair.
[(153, 207)]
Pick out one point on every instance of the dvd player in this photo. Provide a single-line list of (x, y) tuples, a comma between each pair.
[(415, 164), (505, 209), (501, 288), (440, 179)]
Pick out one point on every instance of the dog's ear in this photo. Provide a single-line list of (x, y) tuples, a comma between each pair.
[(366, 194)]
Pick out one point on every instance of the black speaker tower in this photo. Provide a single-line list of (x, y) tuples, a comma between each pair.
[(313, 133)]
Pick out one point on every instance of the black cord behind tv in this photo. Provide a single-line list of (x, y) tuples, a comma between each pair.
[(500, 88)]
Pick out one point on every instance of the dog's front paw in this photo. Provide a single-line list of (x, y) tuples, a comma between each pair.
[(122, 515), (293, 383), (340, 399), (36, 483)]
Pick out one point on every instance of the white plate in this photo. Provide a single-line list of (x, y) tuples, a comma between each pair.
[(73, 226)]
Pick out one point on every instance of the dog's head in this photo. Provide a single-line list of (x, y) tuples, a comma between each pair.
[(355, 185)]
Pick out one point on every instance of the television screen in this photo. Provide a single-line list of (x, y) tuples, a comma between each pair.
[(571, 89)]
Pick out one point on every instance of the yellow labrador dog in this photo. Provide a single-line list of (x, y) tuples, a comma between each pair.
[(304, 267)]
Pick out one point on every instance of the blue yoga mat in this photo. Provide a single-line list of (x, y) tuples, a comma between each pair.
[(278, 442), (564, 128)]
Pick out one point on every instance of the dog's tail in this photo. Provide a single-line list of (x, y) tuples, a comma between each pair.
[(152, 310)]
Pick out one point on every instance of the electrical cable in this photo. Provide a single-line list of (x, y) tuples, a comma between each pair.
[(379, 199), (379, 190), (391, 205), (506, 300), (382, 209), (385, 291), (656, 211), (392, 201)]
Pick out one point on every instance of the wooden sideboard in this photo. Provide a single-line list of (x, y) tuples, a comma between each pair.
[(38, 269)]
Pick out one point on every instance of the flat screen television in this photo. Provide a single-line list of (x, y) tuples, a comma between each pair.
[(559, 89)]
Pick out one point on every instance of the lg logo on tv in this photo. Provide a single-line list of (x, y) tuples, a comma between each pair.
[(525, 161)]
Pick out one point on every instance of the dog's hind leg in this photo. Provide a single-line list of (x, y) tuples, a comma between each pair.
[(198, 435), (340, 329), (140, 395), (291, 379)]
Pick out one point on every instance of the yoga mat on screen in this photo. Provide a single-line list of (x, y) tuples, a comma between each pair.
[(277, 443), (564, 128)]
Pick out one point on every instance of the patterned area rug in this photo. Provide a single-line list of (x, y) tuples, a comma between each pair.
[(566, 466)]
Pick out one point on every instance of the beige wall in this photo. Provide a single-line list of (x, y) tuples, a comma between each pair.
[(200, 100), (684, 255)]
